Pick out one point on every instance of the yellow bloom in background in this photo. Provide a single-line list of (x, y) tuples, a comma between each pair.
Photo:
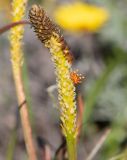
[(80, 17)]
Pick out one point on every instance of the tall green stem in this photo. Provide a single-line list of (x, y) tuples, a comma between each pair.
[(71, 147)]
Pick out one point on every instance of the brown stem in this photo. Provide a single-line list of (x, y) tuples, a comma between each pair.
[(23, 108), (80, 113), (9, 26), (99, 144)]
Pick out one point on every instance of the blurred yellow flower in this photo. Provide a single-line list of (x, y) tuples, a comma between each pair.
[(80, 17)]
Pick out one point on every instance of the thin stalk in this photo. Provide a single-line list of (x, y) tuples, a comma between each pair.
[(99, 144), (24, 114), (119, 157), (9, 26), (13, 138), (71, 148), (27, 93), (11, 145)]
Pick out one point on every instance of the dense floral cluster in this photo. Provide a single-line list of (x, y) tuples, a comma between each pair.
[(50, 35), (16, 35)]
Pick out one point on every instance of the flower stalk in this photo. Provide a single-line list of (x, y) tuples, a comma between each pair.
[(9, 26), (49, 34), (16, 35)]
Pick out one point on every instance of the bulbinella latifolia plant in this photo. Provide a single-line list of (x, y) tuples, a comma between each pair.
[(49, 34)]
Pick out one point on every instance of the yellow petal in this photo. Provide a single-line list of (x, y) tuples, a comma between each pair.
[(80, 16)]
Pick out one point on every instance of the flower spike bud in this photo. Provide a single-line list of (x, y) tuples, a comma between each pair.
[(45, 29), (76, 78), (49, 34), (43, 26)]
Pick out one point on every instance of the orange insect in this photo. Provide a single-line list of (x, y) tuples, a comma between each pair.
[(75, 77)]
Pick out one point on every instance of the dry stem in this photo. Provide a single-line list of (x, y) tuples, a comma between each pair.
[(9, 26), (24, 115), (98, 145)]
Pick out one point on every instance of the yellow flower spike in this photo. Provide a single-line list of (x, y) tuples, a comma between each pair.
[(16, 35), (66, 87), (49, 34), (80, 17)]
